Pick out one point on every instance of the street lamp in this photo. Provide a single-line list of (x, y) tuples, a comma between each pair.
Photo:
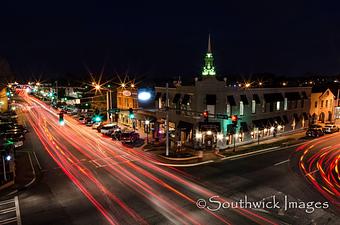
[(147, 123), (98, 87)]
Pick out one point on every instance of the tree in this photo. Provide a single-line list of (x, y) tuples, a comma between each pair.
[(6, 74)]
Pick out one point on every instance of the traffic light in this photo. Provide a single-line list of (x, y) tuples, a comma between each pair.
[(206, 115), (97, 119), (131, 114), (234, 120), (61, 119)]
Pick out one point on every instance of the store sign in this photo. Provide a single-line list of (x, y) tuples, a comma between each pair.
[(127, 93)]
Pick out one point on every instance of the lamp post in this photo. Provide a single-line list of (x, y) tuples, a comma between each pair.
[(108, 99), (147, 123)]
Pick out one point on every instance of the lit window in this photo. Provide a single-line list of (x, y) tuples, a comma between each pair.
[(285, 104), (278, 106), (316, 104), (228, 110), (241, 108), (326, 103), (253, 106)]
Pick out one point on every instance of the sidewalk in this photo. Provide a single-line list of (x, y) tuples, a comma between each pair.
[(24, 174), (195, 158)]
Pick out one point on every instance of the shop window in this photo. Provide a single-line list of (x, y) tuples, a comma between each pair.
[(241, 108), (253, 106), (278, 106), (285, 104)]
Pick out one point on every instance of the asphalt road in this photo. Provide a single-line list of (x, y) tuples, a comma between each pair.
[(90, 179)]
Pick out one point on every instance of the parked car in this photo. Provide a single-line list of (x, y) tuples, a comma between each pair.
[(314, 131), (96, 125), (129, 137), (16, 138), (330, 128), (109, 128)]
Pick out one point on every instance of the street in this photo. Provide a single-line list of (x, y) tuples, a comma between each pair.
[(86, 178)]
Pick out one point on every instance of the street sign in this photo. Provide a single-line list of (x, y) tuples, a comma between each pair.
[(222, 116), (114, 110)]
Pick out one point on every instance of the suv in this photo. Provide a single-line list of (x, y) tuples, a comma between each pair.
[(315, 131), (330, 128), (129, 137)]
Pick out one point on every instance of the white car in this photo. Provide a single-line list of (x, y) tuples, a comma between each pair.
[(109, 128), (330, 128)]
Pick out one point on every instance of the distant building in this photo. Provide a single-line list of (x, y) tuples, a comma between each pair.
[(126, 99), (3, 99), (324, 106), (262, 111)]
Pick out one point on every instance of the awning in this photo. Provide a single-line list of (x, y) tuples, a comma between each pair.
[(292, 96), (305, 116), (185, 126), (278, 120), (244, 99), (213, 126), (258, 124), (211, 99), (158, 95), (256, 98), (304, 95), (285, 119), (273, 97), (231, 100), (164, 97), (244, 127), (176, 98), (296, 117), (185, 99)]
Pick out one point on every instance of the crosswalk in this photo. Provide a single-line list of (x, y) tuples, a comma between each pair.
[(10, 212)]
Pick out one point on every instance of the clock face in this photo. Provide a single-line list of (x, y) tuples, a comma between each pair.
[(127, 93)]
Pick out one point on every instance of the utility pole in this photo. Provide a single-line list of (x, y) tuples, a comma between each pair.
[(167, 120), (337, 104), (4, 168), (107, 106)]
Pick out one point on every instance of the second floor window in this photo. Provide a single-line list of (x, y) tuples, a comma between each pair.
[(241, 108), (228, 109), (321, 103), (285, 104), (316, 104), (253, 106), (326, 103)]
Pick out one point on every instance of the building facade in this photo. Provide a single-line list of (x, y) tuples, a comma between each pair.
[(261, 112), (324, 105)]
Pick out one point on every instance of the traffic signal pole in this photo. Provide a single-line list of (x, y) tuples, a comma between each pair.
[(167, 121)]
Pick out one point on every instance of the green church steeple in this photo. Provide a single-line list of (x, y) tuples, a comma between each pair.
[(209, 69)]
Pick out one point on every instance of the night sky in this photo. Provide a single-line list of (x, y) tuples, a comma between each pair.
[(157, 39)]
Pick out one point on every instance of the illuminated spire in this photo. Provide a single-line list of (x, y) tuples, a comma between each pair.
[(209, 45), (209, 69)]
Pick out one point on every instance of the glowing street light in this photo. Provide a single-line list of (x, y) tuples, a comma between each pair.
[(38, 83), (97, 87), (123, 85), (247, 85), (132, 85)]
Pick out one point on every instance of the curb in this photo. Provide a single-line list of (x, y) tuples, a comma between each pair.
[(184, 165), (29, 183)]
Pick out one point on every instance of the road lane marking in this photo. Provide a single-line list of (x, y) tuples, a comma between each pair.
[(248, 154), (279, 163), (33, 171), (36, 158), (17, 207)]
